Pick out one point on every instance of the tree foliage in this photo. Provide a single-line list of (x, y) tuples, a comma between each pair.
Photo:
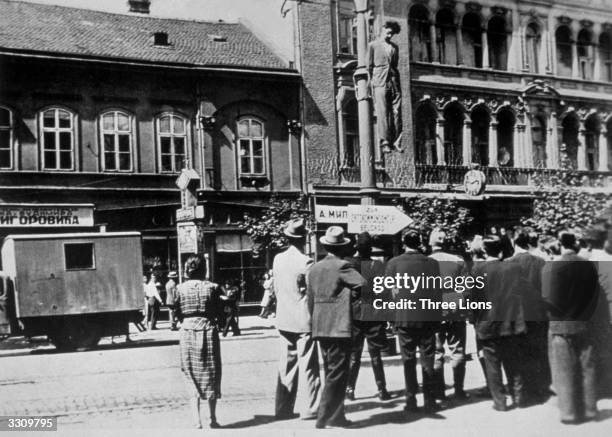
[(431, 213), (563, 202), (266, 227)]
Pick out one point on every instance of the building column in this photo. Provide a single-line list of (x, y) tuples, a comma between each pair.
[(552, 143), (485, 49), (467, 142), (459, 40), (527, 144), (439, 142), (581, 158), (552, 46), (575, 71), (603, 149), (434, 43), (493, 143), (519, 141)]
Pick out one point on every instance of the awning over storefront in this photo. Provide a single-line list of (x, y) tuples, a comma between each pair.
[(233, 243)]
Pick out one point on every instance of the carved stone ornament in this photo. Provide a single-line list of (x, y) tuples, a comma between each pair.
[(586, 23), (449, 4), (607, 27), (473, 7), (564, 20), (474, 182), (499, 10), (493, 104)]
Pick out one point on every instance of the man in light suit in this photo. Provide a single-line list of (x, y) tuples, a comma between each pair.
[(299, 360), (382, 61), (332, 285)]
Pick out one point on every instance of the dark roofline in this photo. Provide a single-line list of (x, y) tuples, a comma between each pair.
[(142, 63)]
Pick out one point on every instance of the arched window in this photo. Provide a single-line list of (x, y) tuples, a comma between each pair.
[(471, 30), (585, 54), (480, 135), (350, 122), (57, 139), (6, 138), (453, 134), (505, 137), (605, 55), (420, 34), (563, 38), (532, 47), (497, 40), (591, 141), (251, 147), (425, 135), (538, 137), (569, 139), (117, 140), (446, 37), (172, 142)]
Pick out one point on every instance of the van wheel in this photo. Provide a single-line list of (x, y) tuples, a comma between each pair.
[(82, 334)]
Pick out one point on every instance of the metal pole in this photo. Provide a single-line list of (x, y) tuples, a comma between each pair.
[(368, 191)]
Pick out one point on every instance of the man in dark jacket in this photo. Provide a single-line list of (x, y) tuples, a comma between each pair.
[(501, 329), (365, 323), (414, 327), (570, 289), (331, 286), (536, 367)]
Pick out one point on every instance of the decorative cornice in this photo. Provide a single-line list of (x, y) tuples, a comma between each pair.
[(499, 10), (473, 7)]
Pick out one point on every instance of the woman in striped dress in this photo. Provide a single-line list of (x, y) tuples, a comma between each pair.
[(198, 303)]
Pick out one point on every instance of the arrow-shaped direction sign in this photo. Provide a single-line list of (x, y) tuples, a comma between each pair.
[(376, 219)]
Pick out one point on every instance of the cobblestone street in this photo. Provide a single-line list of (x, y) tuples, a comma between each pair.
[(139, 386)]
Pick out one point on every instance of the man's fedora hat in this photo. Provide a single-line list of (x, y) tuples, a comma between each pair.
[(334, 236), (173, 274), (295, 229)]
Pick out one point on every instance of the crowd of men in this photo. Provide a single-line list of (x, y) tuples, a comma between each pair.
[(547, 328)]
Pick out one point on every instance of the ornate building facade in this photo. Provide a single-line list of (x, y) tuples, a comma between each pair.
[(517, 88)]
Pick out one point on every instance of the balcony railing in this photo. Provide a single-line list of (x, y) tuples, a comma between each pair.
[(512, 176)]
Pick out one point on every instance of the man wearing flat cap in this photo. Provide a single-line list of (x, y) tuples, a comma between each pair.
[(366, 326), (299, 360), (332, 285)]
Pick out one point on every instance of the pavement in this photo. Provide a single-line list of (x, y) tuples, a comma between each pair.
[(137, 388)]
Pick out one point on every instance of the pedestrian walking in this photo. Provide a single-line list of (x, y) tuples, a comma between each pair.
[(171, 297), (570, 289), (416, 328), (501, 330), (365, 326), (332, 285), (154, 301), (268, 296), (231, 309), (299, 358), (198, 304), (452, 330)]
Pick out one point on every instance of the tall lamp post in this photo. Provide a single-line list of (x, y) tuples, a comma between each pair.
[(368, 191)]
